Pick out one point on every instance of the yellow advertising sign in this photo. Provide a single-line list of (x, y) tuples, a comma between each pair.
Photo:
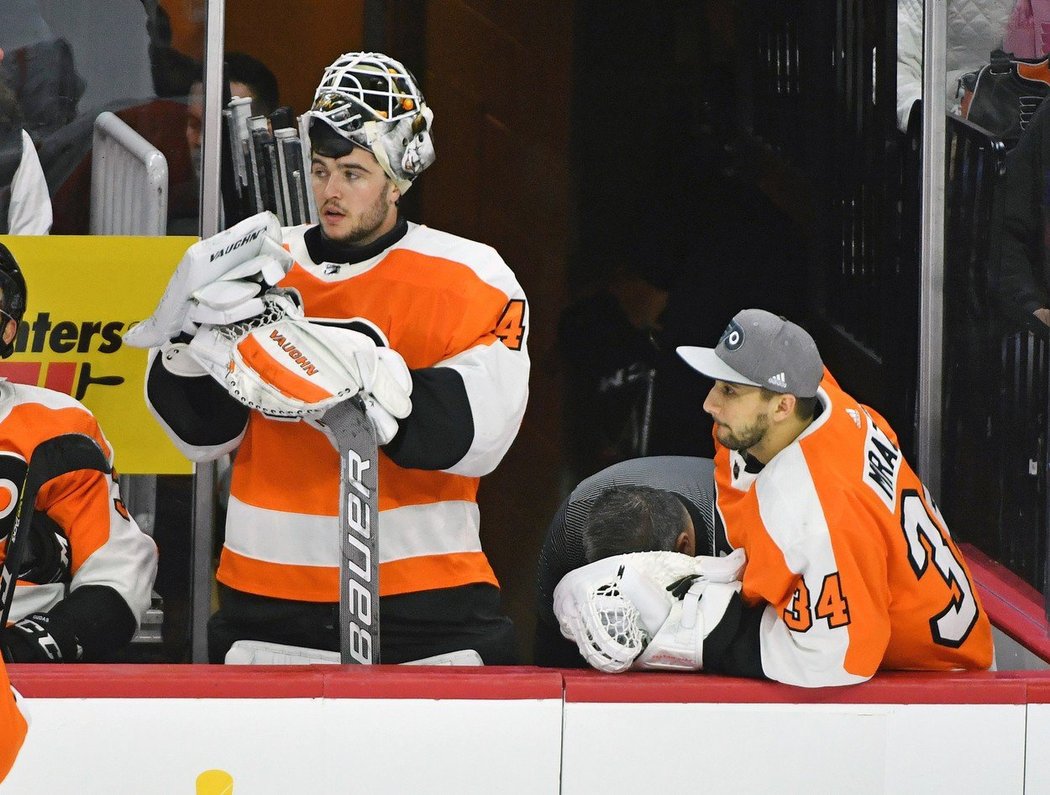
[(84, 293)]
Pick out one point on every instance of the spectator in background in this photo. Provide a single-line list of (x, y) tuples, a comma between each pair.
[(38, 69), (975, 28), (88, 572), (250, 77), (25, 204), (247, 77), (172, 71), (608, 341), (1021, 280)]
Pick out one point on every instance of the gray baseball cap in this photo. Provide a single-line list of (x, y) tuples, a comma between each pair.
[(761, 349)]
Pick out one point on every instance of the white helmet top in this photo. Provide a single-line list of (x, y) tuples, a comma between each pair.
[(373, 101)]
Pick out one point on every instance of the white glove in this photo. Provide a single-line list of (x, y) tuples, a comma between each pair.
[(285, 366), (621, 611), (218, 280), (678, 643), (385, 422), (177, 360)]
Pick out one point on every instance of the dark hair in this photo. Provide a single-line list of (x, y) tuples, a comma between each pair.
[(326, 142), (13, 294), (632, 519), (243, 68), (804, 406)]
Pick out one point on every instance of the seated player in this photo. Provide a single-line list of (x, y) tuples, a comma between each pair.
[(640, 505), (850, 567), (88, 572)]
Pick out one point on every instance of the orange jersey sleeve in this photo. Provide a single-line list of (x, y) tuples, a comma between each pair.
[(851, 555), (106, 546), (13, 725)]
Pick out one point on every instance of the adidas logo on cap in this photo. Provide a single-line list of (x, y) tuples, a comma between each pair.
[(778, 380)]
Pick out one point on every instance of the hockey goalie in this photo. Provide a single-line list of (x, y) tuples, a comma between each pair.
[(263, 329)]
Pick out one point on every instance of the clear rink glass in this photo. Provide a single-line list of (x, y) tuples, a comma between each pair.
[(69, 61), (87, 77)]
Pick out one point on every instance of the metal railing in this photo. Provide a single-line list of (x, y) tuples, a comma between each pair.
[(129, 181)]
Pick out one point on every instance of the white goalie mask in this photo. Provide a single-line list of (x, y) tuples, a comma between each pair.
[(373, 101)]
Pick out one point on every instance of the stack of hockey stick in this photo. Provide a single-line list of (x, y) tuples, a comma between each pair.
[(269, 170)]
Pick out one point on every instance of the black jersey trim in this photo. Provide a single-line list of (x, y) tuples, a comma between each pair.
[(440, 429)]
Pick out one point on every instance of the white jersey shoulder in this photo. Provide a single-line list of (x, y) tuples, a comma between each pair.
[(292, 236), (435, 243), (12, 394), (481, 258)]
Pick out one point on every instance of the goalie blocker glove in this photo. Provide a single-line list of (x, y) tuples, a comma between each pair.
[(651, 610), (285, 366), (219, 280)]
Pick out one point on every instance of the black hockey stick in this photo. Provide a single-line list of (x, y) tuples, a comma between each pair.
[(53, 457), (355, 439), (293, 175)]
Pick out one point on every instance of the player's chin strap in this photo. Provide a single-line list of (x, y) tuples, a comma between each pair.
[(259, 652)]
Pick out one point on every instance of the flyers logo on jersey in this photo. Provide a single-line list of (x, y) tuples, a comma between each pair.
[(12, 475)]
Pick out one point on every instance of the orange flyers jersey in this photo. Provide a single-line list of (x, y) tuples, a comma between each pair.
[(441, 302), (12, 725), (106, 546), (850, 553)]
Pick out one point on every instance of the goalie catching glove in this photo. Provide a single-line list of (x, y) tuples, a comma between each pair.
[(648, 610), (285, 366), (219, 280)]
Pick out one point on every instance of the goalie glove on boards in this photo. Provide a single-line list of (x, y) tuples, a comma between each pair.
[(219, 280), (285, 366), (647, 610)]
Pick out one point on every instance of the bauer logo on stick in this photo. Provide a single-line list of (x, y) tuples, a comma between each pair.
[(359, 580), (355, 439)]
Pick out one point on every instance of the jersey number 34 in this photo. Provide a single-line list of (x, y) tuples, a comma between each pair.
[(926, 543)]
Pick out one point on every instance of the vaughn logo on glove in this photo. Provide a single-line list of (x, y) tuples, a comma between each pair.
[(262, 354), (234, 246), (297, 356), (285, 365)]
